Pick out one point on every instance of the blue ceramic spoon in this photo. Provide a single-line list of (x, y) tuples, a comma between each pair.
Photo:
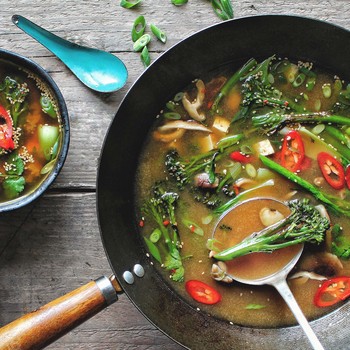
[(99, 70)]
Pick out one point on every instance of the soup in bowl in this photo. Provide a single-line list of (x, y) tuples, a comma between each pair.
[(34, 130)]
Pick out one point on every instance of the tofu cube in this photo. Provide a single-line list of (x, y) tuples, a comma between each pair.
[(221, 124), (264, 148)]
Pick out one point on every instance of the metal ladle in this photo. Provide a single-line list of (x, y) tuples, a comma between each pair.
[(278, 280), (99, 70)]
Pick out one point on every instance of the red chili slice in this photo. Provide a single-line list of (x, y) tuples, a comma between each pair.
[(6, 130), (292, 153), (202, 292), (240, 157), (331, 170), (332, 291)]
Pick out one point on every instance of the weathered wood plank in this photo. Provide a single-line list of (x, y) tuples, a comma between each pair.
[(53, 245)]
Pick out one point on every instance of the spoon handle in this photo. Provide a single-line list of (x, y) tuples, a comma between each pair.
[(58, 46), (288, 297)]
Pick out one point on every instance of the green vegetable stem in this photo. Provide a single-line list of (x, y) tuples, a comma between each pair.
[(304, 224), (336, 203), (272, 121), (232, 82)]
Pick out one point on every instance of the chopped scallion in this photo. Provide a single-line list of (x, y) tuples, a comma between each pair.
[(158, 33), (140, 43), (326, 90), (138, 28), (172, 115), (129, 4), (145, 57), (179, 2), (223, 9)]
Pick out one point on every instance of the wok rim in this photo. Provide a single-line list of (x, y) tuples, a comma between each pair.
[(293, 332)]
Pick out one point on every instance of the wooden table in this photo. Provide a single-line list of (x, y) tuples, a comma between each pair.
[(53, 246)]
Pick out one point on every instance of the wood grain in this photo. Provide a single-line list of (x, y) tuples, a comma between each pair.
[(53, 246)]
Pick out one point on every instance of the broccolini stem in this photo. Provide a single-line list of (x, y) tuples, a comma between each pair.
[(232, 82), (337, 204), (271, 122), (235, 200), (304, 224)]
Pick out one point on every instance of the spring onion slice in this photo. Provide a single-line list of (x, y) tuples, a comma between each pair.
[(129, 4), (223, 9), (179, 2), (160, 35), (138, 28), (140, 43), (145, 57)]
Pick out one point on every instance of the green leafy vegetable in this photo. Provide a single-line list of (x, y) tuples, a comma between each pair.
[(161, 207), (304, 224), (13, 183), (183, 170), (13, 97), (13, 186), (340, 243), (48, 137)]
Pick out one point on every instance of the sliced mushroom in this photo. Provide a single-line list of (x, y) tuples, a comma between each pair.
[(175, 129), (192, 107), (302, 277), (269, 216), (182, 124), (203, 180), (323, 263), (219, 272)]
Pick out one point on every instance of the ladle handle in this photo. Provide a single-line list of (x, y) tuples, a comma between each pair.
[(288, 297)]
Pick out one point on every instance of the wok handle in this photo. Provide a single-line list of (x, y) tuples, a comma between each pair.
[(45, 325)]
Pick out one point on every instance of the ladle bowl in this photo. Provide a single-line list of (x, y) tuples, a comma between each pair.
[(278, 278)]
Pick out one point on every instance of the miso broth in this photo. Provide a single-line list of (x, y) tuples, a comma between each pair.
[(30, 131), (212, 147)]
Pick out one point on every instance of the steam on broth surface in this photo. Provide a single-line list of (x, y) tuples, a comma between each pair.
[(30, 131), (272, 129)]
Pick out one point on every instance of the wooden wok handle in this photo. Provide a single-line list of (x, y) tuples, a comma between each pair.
[(45, 325)]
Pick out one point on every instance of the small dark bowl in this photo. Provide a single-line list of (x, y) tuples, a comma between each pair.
[(32, 67)]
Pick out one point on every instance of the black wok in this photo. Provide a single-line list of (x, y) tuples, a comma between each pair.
[(232, 42)]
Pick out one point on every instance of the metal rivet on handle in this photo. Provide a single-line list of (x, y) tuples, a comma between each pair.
[(128, 277), (138, 270)]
